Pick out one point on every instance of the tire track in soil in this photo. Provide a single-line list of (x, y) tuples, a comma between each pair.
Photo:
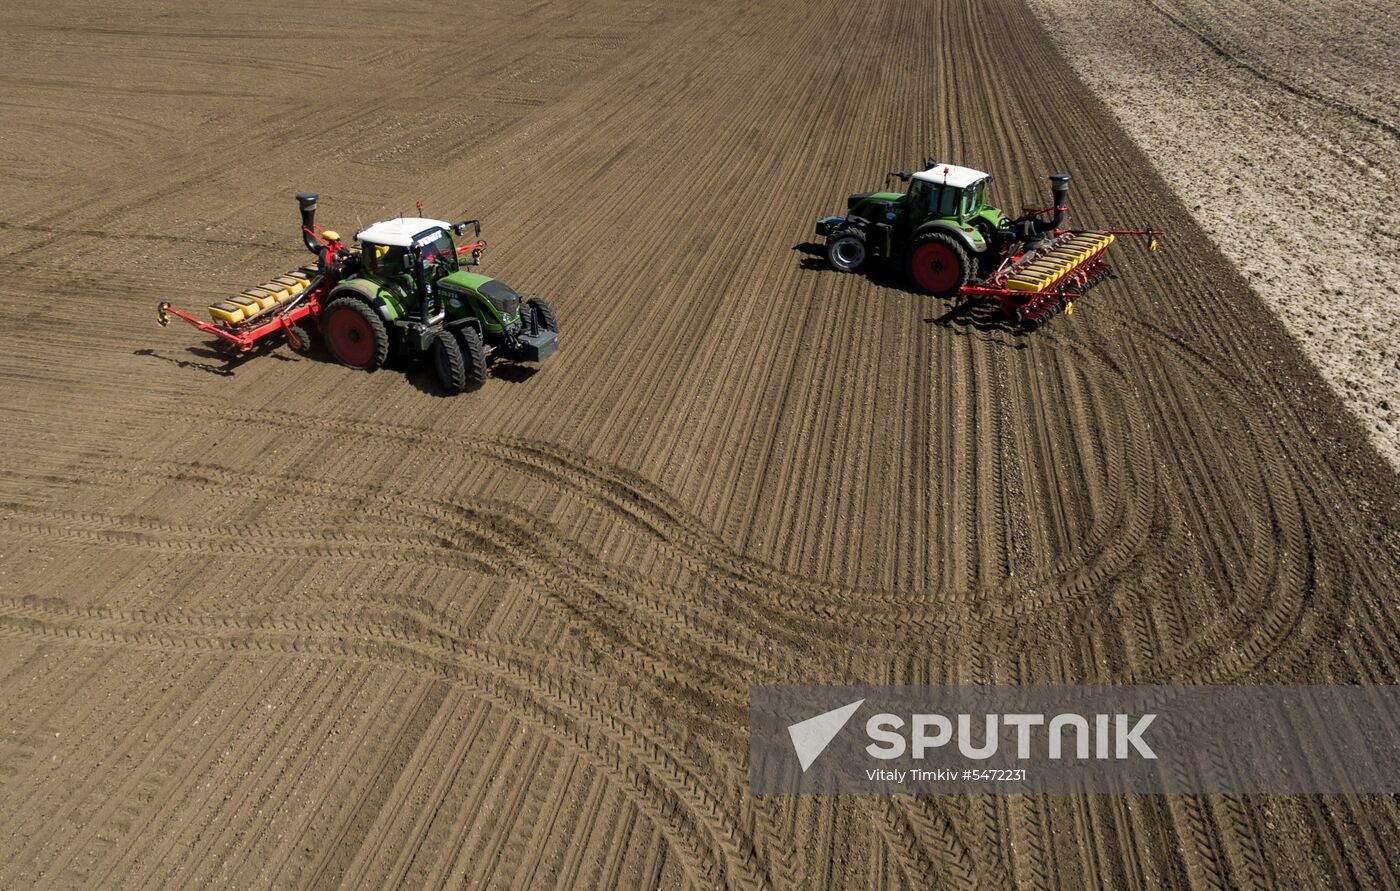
[(651, 512), (392, 503), (234, 541), (514, 687), (33, 618), (669, 520), (1238, 61)]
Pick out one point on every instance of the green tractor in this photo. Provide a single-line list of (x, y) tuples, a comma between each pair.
[(941, 229), (407, 287)]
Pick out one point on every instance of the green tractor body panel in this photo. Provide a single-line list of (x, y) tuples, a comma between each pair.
[(465, 280), (989, 219), (387, 299), (462, 294), (472, 295), (968, 234), (874, 206), (894, 219)]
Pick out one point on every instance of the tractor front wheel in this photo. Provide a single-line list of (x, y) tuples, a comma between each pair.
[(355, 334), (473, 358), (847, 252), (449, 364), (938, 265), (544, 314)]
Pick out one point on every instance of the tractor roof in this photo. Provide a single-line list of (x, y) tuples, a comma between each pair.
[(398, 232), (951, 174)]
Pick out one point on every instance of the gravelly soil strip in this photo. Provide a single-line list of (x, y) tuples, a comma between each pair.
[(1279, 126)]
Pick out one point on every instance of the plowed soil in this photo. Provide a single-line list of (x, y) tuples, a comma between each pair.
[(1278, 125), (277, 623)]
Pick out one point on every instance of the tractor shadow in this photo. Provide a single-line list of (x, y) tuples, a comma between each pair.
[(815, 256), (210, 358), (419, 373), (416, 370), (974, 316), (877, 273), (513, 372)]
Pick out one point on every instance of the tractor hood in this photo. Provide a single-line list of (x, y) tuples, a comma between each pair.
[(500, 295), (871, 204), (860, 197), (463, 280)]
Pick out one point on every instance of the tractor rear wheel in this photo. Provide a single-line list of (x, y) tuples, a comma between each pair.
[(938, 265), (544, 314), (355, 334), (473, 358), (847, 252), (449, 364)]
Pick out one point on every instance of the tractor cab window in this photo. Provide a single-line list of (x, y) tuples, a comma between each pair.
[(440, 255), (933, 198), (972, 198), (944, 201), (383, 260)]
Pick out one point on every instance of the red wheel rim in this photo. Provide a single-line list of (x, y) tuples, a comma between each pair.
[(350, 337), (935, 267)]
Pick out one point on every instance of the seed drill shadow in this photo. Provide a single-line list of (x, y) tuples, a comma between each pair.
[(227, 363), (884, 275), (982, 316)]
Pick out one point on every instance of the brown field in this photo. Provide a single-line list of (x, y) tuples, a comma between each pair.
[(280, 624)]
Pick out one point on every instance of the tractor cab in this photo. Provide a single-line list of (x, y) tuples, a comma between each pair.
[(410, 256), (407, 251), (947, 192)]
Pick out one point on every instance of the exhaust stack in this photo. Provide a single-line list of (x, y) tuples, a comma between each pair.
[(1059, 198), (1033, 232), (307, 202)]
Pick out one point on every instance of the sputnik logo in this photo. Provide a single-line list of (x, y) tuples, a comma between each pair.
[(811, 737)]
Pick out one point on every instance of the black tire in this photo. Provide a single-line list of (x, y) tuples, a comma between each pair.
[(299, 339), (847, 251), (544, 314), (355, 334), (449, 364), (473, 358), (938, 264)]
